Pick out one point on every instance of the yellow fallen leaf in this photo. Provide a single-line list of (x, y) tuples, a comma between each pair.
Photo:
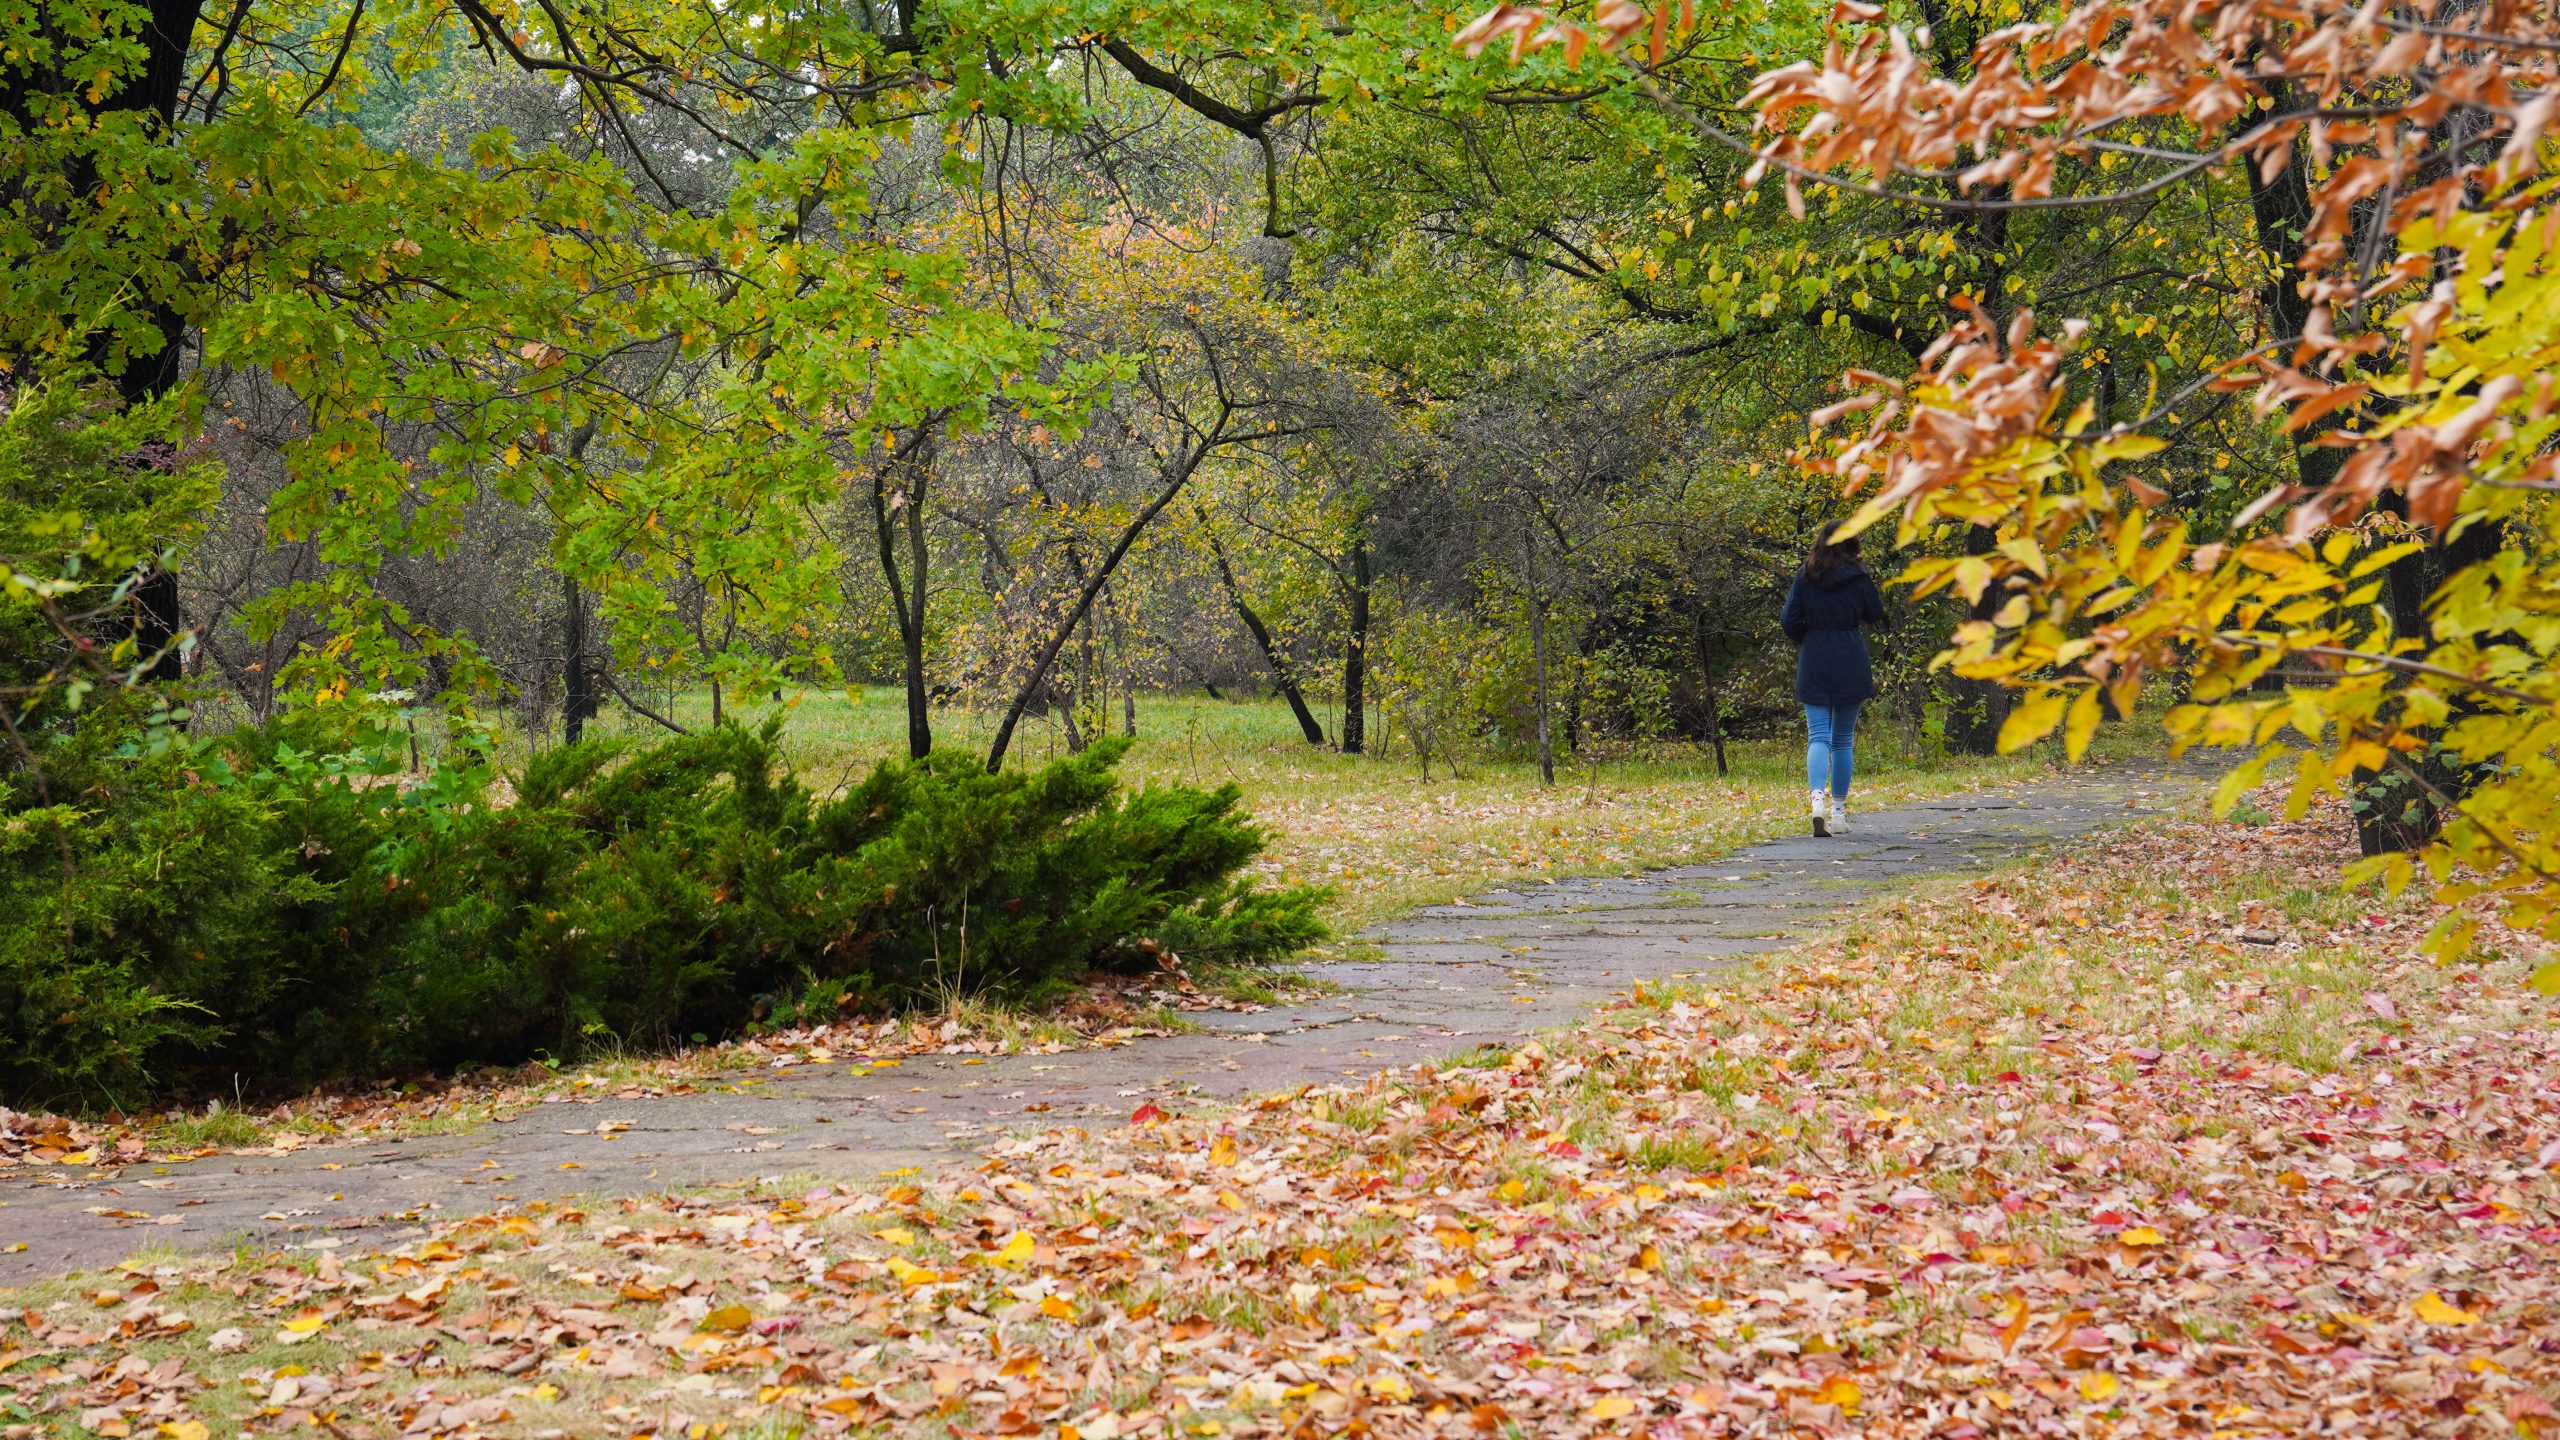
[(1017, 1251), (896, 1235), (1649, 1259), (729, 1318), (1056, 1309), (305, 1323), (1842, 1391), (1222, 1151), (81, 1157), (2099, 1385), (186, 1430), (2143, 1235), (1394, 1389), (1612, 1407), (911, 1274), (2433, 1309), (546, 1391)]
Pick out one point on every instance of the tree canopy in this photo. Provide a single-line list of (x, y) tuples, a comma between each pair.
[(526, 358)]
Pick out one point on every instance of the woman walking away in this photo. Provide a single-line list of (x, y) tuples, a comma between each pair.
[(1833, 596)]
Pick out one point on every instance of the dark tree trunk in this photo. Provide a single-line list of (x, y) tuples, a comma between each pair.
[(2279, 214), (899, 514), (577, 679), (1355, 654), (157, 620), (2401, 809), (1281, 674)]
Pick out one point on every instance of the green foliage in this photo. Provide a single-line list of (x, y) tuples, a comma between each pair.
[(88, 493), (283, 906)]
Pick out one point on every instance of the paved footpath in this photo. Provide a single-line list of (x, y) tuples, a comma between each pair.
[(1443, 980)]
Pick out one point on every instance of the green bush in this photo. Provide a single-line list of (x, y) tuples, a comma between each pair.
[(272, 906)]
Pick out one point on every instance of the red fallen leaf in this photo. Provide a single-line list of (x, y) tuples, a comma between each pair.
[(776, 1324), (1565, 1149), (2010, 1077), (1147, 1114)]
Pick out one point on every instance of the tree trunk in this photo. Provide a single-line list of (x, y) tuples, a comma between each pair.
[(1538, 681), (1089, 688), (1355, 653), (577, 682), (896, 514), (1065, 701), (1281, 675), (1715, 697)]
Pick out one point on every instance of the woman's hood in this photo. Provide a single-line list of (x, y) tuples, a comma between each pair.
[(1845, 575)]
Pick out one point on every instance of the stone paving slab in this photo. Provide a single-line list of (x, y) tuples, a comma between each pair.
[(1446, 979)]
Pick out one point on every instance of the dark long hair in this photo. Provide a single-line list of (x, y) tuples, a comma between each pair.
[(1829, 557)]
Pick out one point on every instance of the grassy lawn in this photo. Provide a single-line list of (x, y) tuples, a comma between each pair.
[(1378, 832), (2167, 1136)]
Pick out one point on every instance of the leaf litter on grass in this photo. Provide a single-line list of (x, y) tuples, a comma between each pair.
[(2053, 1153)]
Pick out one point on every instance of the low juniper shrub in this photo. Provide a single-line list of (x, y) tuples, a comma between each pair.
[(277, 904)]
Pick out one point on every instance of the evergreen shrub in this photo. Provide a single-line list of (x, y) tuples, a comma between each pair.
[(276, 905)]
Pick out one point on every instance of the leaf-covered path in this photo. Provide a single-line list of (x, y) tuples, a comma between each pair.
[(1442, 981)]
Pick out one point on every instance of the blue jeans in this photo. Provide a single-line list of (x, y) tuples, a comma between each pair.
[(1830, 757)]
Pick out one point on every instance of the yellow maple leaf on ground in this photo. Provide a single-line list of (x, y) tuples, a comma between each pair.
[(2435, 1310)]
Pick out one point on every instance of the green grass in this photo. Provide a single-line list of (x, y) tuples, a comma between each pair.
[(1370, 826)]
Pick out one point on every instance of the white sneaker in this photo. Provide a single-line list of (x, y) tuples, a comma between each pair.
[(1839, 817), (1819, 801)]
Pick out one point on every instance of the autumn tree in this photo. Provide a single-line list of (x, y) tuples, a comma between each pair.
[(2409, 338)]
